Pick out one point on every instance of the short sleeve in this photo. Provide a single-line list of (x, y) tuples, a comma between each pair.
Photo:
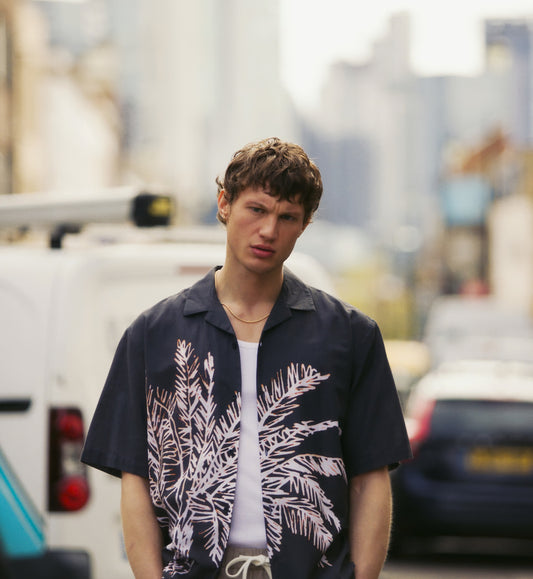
[(116, 440), (374, 433)]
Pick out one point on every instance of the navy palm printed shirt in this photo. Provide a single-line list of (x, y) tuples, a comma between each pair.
[(327, 410)]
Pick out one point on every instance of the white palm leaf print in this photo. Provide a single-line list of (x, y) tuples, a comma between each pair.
[(192, 456), (193, 460), (292, 494)]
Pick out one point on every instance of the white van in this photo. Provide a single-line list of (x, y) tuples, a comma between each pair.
[(62, 312)]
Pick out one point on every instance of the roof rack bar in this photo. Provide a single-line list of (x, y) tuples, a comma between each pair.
[(107, 206)]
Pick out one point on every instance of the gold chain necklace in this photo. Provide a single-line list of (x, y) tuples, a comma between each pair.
[(242, 319), (234, 314)]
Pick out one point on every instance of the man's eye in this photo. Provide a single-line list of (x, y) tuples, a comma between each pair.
[(288, 217), (257, 209)]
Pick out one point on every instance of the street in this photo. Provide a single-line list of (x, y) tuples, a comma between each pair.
[(465, 559)]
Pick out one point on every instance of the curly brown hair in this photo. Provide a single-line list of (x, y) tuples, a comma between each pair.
[(283, 169)]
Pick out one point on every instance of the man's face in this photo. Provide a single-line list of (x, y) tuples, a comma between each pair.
[(261, 229)]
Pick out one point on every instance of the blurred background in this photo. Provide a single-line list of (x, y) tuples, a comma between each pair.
[(419, 116)]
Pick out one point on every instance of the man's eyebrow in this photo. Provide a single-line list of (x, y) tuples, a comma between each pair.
[(296, 204), (293, 210)]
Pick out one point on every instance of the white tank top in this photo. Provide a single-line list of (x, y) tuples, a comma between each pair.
[(248, 522)]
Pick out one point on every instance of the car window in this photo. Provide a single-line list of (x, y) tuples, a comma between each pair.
[(482, 417)]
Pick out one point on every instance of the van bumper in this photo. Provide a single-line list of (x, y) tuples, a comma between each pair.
[(51, 565)]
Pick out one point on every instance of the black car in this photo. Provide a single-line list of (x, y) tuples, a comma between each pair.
[(471, 430)]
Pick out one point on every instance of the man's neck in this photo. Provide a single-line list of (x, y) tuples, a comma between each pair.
[(248, 289), (247, 300)]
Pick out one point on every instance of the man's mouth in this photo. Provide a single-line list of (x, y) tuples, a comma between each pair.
[(262, 251)]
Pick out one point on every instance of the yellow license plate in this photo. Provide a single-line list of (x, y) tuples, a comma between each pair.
[(500, 460)]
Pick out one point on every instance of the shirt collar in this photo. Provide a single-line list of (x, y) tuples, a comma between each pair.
[(294, 295)]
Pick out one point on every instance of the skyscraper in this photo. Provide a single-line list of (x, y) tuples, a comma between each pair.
[(509, 46), (212, 83)]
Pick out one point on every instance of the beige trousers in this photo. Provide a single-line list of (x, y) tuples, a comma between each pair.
[(232, 553)]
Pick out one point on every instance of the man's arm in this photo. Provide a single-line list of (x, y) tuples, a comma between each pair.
[(142, 535), (370, 521)]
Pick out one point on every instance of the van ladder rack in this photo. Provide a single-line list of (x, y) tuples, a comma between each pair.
[(63, 213)]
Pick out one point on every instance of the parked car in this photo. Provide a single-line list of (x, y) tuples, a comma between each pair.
[(471, 429)]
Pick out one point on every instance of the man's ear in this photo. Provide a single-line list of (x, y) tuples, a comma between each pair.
[(223, 204)]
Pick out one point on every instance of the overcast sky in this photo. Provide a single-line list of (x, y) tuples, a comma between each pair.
[(447, 37)]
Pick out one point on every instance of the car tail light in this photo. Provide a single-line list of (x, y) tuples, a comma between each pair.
[(68, 488), (420, 423)]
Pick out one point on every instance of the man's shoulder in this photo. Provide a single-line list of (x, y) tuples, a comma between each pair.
[(174, 303), (327, 304), (192, 297)]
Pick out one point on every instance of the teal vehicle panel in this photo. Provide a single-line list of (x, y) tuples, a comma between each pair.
[(21, 527)]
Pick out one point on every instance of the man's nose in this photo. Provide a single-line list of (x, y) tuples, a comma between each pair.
[(269, 226)]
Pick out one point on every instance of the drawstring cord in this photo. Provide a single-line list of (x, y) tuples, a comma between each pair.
[(246, 561)]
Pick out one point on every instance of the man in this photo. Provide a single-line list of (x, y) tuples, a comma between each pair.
[(253, 419)]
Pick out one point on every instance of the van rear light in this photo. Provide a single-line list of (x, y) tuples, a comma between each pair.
[(68, 488), (420, 423), (72, 493)]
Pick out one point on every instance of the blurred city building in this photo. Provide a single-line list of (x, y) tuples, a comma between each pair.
[(22, 43), (509, 48), (128, 93), (211, 82), (434, 157), (6, 96), (395, 133), (61, 129), (362, 137)]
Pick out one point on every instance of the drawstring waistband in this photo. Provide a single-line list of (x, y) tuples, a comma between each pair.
[(246, 561)]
